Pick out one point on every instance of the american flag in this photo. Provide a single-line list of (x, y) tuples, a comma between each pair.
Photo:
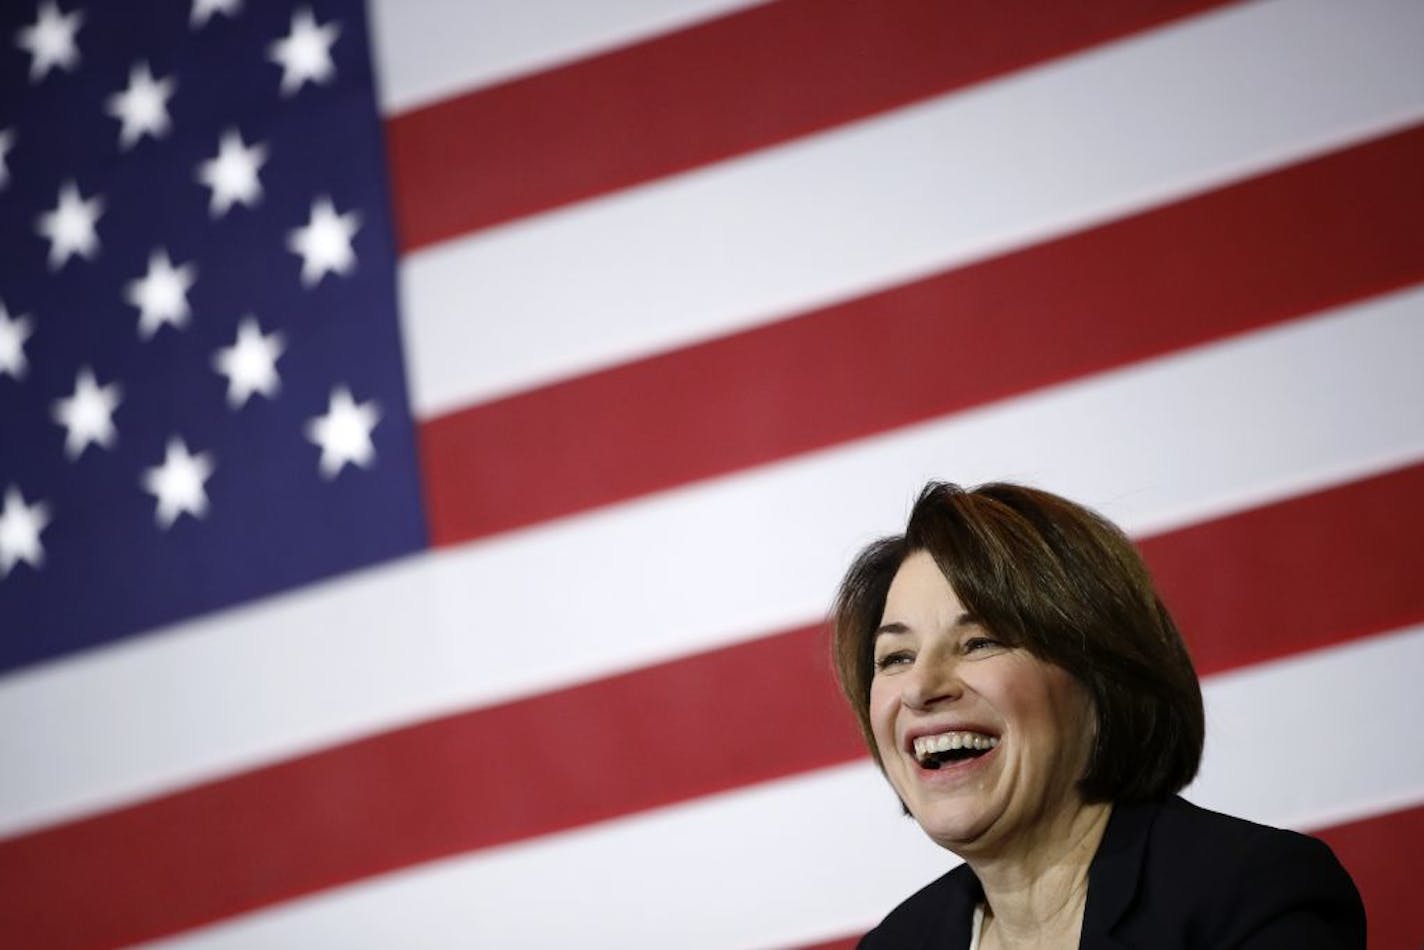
[(431, 434)]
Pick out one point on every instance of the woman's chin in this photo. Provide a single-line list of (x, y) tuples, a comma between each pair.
[(955, 805), (953, 825)]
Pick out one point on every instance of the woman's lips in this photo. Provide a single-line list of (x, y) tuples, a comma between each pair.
[(925, 747), (938, 768)]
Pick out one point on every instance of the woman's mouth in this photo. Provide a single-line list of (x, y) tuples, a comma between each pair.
[(943, 748)]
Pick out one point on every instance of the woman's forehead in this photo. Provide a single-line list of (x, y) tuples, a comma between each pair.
[(921, 596)]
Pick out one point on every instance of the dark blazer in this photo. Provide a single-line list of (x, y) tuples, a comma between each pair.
[(1171, 876)]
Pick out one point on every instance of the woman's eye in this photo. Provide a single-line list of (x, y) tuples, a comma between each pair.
[(974, 644), (890, 660)]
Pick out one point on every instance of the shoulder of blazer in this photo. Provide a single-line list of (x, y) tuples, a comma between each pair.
[(1212, 880)]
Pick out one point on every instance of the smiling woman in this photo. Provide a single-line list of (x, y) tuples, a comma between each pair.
[(1025, 691)]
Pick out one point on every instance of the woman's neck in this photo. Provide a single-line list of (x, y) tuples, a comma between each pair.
[(1036, 892)]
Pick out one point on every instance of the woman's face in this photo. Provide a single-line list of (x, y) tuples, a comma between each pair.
[(1025, 726)]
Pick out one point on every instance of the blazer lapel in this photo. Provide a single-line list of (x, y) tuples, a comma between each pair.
[(1114, 874), (962, 894)]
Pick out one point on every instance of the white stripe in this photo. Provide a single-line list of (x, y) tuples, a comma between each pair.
[(1155, 445), (1334, 745), (827, 854), (432, 49), (907, 193)]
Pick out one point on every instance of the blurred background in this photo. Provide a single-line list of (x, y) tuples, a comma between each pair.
[(431, 434)]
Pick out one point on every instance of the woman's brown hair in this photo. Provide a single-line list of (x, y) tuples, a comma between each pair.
[(1065, 584)]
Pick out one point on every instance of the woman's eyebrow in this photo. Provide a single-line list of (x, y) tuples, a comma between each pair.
[(965, 619)]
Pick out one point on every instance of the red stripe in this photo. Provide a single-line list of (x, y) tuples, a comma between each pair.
[(1270, 249), (1301, 574), (722, 88), (614, 746), (1382, 855), (470, 781)]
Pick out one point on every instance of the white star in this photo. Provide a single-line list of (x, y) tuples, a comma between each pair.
[(204, 9), (344, 433), (70, 226), (250, 364), (161, 294), (14, 331), (50, 40), (305, 53), (178, 483), (20, 527), (88, 415), (143, 106), (325, 242), (7, 142), (232, 175)]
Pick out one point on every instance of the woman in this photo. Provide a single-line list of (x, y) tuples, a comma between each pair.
[(1023, 688)]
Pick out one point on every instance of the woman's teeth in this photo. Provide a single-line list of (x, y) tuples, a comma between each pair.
[(926, 746)]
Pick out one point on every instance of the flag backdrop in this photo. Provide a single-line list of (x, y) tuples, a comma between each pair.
[(431, 434)]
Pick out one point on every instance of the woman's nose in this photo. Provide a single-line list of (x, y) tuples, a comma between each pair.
[(931, 682)]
